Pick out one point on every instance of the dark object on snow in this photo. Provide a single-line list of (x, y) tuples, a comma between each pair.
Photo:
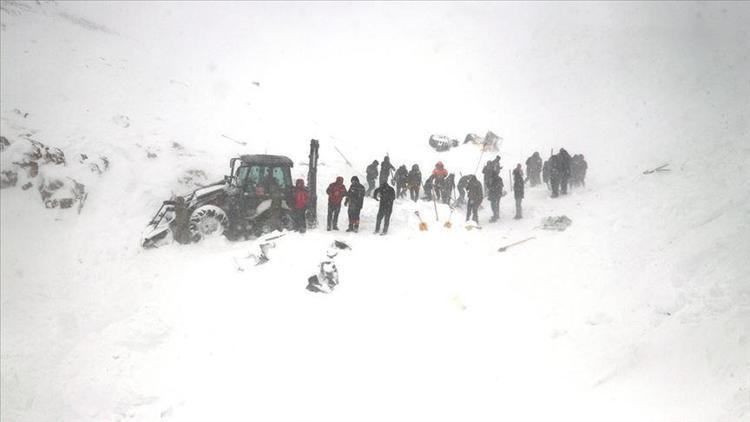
[(442, 143), (8, 178), (341, 245), (506, 247), (559, 223), (326, 280), (255, 198), (661, 169), (4, 142)]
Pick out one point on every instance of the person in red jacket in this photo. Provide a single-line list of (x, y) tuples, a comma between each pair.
[(336, 192), (300, 197), (439, 173)]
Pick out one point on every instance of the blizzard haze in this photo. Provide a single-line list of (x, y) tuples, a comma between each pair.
[(640, 311)]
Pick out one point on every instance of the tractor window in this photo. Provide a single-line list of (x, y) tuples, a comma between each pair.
[(251, 176)]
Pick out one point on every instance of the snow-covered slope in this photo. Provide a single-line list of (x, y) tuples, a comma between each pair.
[(639, 311)]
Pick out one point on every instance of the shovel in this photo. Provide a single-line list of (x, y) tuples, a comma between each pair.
[(422, 224), (505, 248), (448, 223)]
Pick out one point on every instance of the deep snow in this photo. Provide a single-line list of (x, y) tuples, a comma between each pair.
[(639, 311)]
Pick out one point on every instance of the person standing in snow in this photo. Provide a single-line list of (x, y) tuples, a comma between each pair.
[(385, 169), (546, 173), (475, 196), (300, 197), (518, 190), (386, 195), (414, 181), (354, 200), (534, 168), (372, 175), (336, 192), (494, 193), (563, 162), (554, 175), (400, 177)]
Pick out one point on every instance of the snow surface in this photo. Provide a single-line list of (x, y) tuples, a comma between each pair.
[(639, 311)]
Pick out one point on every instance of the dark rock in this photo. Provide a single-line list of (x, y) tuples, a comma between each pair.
[(4, 142), (8, 178)]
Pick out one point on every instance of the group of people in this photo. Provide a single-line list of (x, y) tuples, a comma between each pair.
[(558, 173), (562, 171)]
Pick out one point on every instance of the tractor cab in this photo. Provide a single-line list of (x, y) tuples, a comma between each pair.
[(261, 177)]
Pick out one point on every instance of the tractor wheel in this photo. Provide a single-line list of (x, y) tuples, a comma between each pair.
[(207, 221)]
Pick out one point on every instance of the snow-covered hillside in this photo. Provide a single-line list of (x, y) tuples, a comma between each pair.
[(639, 311)]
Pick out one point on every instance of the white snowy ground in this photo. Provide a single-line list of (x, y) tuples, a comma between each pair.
[(639, 311)]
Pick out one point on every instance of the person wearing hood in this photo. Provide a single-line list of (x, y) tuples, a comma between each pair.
[(386, 195), (534, 169), (475, 196), (355, 198), (463, 182), (554, 175), (563, 162), (300, 197), (414, 182), (385, 169), (336, 192), (518, 190), (400, 177), (494, 193), (439, 173), (372, 175), (449, 184)]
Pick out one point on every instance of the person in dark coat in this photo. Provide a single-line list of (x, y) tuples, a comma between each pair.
[(400, 177), (494, 193), (355, 198), (386, 195), (429, 187), (554, 175), (475, 195), (534, 168), (414, 181), (518, 190), (584, 168), (336, 192), (545, 174), (300, 197), (372, 175), (385, 169), (563, 163), (449, 184), (461, 187)]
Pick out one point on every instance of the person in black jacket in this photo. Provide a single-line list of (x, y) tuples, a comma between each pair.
[(534, 168), (475, 196), (385, 169), (386, 195), (400, 178), (554, 175), (446, 190), (563, 162), (355, 198), (518, 190), (463, 182), (494, 193), (372, 175), (414, 181)]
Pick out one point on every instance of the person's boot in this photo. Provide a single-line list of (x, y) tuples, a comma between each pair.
[(350, 229)]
